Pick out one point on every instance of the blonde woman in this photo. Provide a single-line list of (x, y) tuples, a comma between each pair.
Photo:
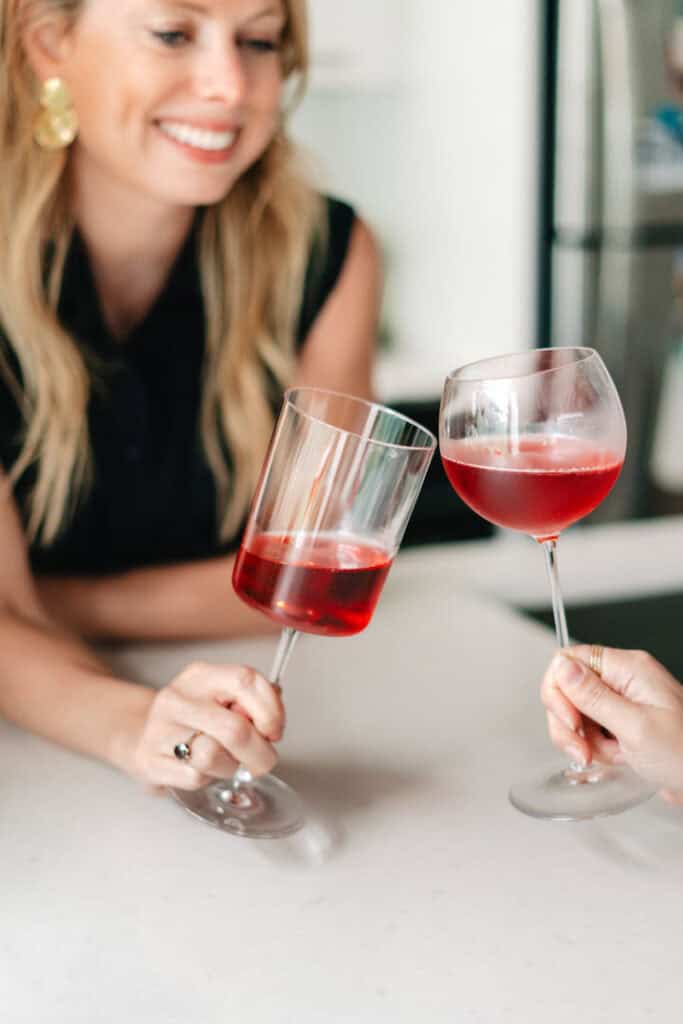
[(164, 270)]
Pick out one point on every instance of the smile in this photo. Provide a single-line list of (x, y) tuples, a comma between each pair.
[(198, 138)]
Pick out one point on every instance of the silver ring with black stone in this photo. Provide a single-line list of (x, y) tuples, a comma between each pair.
[(183, 750)]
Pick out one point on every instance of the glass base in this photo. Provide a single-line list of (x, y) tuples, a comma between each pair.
[(265, 808), (578, 794)]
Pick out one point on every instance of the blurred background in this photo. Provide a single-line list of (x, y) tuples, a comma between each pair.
[(522, 166)]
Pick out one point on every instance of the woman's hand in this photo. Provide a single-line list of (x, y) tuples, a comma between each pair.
[(635, 699), (236, 713)]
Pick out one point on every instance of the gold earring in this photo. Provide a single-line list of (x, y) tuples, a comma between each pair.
[(56, 125)]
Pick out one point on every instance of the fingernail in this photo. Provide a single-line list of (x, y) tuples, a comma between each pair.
[(566, 719), (567, 670), (577, 755)]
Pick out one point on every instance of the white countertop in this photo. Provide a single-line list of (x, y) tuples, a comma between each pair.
[(416, 894), (596, 563)]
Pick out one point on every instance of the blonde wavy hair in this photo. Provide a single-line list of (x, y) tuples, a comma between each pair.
[(253, 253)]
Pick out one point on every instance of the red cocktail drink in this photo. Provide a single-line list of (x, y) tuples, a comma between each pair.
[(539, 484), (316, 584)]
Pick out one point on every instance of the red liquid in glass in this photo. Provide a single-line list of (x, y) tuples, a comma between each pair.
[(316, 584), (540, 485)]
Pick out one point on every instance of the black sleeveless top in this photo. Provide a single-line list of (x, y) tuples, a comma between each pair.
[(153, 499)]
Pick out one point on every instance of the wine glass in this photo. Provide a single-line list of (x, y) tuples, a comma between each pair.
[(337, 488), (534, 441)]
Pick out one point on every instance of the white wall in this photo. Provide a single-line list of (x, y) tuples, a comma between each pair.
[(424, 112)]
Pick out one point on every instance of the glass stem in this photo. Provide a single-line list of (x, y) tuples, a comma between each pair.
[(285, 647), (550, 550)]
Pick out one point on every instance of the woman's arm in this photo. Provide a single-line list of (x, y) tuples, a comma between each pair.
[(49, 682), (339, 351), (53, 685), (189, 601)]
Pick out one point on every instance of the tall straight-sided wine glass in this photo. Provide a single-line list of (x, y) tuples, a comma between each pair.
[(534, 441), (336, 492)]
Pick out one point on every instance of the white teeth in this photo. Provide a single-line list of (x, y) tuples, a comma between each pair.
[(200, 138)]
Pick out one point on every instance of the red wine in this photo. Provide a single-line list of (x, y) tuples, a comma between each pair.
[(540, 485), (320, 584)]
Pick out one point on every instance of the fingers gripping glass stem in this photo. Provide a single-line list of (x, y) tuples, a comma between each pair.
[(288, 638), (560, 618)]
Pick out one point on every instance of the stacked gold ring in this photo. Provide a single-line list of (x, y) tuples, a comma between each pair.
[(595, 662)]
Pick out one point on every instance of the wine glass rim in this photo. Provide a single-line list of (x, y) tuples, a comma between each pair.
[(586, 353), (430, 438)]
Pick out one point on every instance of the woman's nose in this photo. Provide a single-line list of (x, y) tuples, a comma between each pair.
[(221, 75)]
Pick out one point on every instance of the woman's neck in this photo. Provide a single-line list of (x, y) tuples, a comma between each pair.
[(132, 243)]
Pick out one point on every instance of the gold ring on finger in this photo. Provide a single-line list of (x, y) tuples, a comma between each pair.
[(595, 662)]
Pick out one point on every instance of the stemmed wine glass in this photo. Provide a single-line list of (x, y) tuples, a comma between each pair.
[(534, 441), (336, 492)]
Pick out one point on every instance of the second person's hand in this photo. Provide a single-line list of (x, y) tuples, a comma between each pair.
[(636, 699)]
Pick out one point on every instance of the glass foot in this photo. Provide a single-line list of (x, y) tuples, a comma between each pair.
[(265, 808), (578, 794)]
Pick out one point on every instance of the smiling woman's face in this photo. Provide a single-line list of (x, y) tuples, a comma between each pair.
[(175, 100)]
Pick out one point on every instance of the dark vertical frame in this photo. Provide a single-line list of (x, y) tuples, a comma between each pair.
[(547, 78)]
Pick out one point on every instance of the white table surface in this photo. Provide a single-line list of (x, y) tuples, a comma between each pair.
[(415, 894)]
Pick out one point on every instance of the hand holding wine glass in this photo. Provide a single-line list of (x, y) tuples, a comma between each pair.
[(336, 492), (230, 713), (633, 697), (534, 441)]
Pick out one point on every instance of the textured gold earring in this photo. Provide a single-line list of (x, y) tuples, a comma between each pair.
[(56, 126)]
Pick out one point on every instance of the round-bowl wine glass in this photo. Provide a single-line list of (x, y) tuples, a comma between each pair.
[(534, 441), (337, 489)]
